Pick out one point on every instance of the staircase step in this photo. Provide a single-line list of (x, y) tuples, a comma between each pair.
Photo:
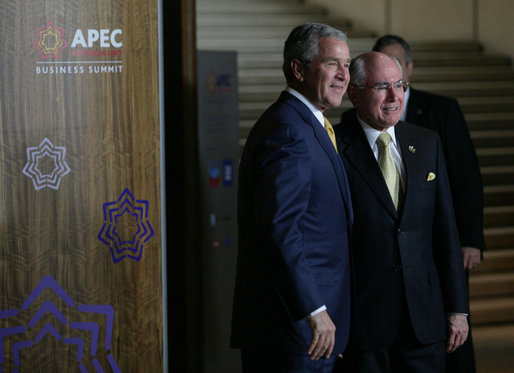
[(462, 73), (491, 284), (469, 89), (499, 237), (499, 216), (285, 22), (445, 46), (500, 156), (486, 311), (493, 138), (490, 121), (455, 59), (257, 26), (272, 8), (267, 52), (495, 261), (497, 175), (498, 195), (487, 104)]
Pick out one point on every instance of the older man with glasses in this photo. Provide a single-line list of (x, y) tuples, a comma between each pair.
[(443, 115), (411, 302)]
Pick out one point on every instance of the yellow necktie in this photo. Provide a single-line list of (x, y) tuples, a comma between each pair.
[(330, 131), (389, 170)]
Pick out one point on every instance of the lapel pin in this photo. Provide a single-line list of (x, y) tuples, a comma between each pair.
[(431, 176), (412, 149)]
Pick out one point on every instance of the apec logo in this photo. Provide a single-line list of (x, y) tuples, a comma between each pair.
[(219, 83), (52, 44), (104, 36), (50, 41)]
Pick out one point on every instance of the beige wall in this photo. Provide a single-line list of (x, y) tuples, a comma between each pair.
[(496, 26), (432, 19), (423, 20), (365, 14)]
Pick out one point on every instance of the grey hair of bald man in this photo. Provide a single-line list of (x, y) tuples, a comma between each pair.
[(358, 68)]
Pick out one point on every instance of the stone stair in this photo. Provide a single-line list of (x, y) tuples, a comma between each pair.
[(483, 84)]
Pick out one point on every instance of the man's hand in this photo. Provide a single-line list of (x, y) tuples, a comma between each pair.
[(472, 257), (458, 331), (323, 335)]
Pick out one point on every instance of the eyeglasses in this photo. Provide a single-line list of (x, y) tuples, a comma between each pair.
[(385, 87)]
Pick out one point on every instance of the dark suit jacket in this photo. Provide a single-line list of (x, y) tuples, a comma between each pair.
[(294, 216), (410, 258), (443, 115)]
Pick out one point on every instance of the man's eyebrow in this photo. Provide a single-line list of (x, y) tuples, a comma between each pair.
[(379, 83), (333, 58)]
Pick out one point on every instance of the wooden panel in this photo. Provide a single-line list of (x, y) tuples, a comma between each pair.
[(80, 229)]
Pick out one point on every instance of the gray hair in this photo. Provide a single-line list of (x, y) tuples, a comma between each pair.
[(302, 44), (390, 39), (358, 68)]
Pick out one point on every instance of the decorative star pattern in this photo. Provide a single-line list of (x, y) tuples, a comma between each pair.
[(50, 41), (32, 169), (120, 245), (71, 330)]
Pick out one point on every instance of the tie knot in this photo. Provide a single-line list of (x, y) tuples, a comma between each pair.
[(383, 139), (328, 125)]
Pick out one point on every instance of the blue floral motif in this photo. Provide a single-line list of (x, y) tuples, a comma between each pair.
[(48, 307), (120, 245)]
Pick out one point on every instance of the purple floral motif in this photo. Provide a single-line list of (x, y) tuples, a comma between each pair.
[(49, 329), (35, 156), (121, 246)]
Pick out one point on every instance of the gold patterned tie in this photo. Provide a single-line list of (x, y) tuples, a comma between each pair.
[(330, 131), (389, 170)]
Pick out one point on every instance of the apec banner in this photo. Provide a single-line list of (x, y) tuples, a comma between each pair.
[(80, 216)]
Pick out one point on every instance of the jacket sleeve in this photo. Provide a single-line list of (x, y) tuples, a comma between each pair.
[(447, 250), (284, 188), (464, 175)]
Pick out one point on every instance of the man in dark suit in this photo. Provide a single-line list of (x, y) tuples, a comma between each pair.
[(411, 301), (292, 295), (443, 115)]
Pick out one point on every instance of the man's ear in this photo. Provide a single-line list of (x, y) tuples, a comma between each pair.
[(298, 69), (352, 94)]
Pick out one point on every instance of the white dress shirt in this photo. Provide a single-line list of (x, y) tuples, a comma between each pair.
[(317, 112), (394, 148)]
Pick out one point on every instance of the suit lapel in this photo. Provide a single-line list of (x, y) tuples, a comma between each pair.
[(408, 146), (325, 142), (357, 151)]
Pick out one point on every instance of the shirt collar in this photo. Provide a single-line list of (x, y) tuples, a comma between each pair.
[(372, 133), (317, 112)]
